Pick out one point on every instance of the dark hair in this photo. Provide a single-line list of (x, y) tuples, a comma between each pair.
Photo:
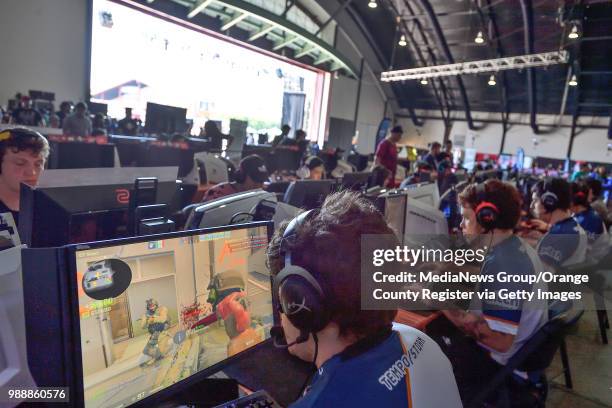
[(19, 139), (299, 133), (580, 193), (81, 105), (595, 186), (559, 187), (435, 145), (504, 196), (328, 245), (313, 162)]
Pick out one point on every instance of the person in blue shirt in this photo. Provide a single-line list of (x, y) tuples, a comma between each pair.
[(496, 329), (432, 156), (565, 242), (362, 359), (589, 220)]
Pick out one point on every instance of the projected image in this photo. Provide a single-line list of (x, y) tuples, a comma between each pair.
[(138, 58), (192, 303)]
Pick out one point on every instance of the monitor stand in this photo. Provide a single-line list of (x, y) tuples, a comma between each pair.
[(207, 393)]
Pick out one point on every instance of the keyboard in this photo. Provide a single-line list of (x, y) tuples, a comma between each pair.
[(259, 399)]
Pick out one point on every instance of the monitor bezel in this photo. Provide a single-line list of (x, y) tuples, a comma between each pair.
[(75, 332)]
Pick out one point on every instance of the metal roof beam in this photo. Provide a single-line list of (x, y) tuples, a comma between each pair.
[(527, 11), (198, 8), (238, 17), (262, 32), (444, 47)]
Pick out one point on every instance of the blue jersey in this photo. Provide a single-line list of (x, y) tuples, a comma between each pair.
[(565, 244), (520, 318), (591, 223), (397, 372)]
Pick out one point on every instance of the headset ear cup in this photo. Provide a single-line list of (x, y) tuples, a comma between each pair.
[(303, 172), (549, 201), (487, 218), (302, 304)]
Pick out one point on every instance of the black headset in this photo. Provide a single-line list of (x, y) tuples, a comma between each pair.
[(549, 200), (301, 298), (487, 213)]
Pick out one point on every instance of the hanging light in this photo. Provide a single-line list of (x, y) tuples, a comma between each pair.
[(424, 81), (479, 38), (402, 41), (573, 81), (372, 4), (574, 33), (492, 81)]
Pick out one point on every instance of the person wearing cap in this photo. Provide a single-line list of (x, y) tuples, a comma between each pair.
[(251, 175), (386, 154), (78, 124), (23, 154)]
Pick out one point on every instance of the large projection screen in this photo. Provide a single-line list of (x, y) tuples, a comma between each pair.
[(139, 55)]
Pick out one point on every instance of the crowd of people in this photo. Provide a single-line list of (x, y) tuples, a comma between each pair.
[(569, 219)]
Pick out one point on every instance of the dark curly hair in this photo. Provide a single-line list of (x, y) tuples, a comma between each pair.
[(504, 196), (19, 139), (328, 245)]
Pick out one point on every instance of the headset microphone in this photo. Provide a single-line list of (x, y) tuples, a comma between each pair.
[(280, 341)]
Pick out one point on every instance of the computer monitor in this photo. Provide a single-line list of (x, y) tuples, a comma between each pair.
[(89, 205), (423, 222), (228, 210), (150, 155), (395, 213), (96, 107), (426, 193), (138, 321), (356, 181), (165, 119), (308, 194), (284, 159), (77, 155)]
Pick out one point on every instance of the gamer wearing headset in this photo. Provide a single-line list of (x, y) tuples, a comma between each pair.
[(589, 220), (312, 169), (251, 175), (565, 242), (23, 154), (315, 260), (495, 331)]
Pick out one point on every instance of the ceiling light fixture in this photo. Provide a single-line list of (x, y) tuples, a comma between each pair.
[(372, 4), (573, 81), (492, 81), (402, 41), (479, 38), (574, 33), (424, 81)]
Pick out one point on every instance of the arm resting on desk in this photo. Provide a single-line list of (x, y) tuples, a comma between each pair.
[(477, 327)]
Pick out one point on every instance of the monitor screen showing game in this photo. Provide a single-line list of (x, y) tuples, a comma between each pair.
[(153, 313)]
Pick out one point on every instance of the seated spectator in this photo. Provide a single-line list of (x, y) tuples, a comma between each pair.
[(98, 124), (496, 330), (352, 348), (54, 121), (285, 129), (431, 157), (215, 137), (424, 173), (64, 112), (312, 169), (251, 175), (128, 126), (23, 154), (583, 172), (26, 115), (565, 242), (78, 124), (596, 200), (590, 221)]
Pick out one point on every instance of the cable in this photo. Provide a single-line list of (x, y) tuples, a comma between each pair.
[(314, 362)]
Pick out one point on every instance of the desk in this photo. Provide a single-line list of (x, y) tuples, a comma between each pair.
[(417, 319)]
